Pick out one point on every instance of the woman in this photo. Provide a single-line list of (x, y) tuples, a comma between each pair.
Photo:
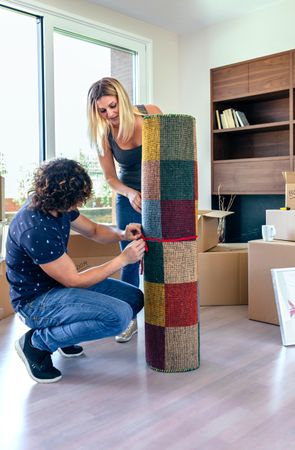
[(115, 128)]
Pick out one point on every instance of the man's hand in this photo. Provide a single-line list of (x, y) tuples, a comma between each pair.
[(133, 252), (132, 232)]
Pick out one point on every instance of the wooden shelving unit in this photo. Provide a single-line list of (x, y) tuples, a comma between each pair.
[(251, 159)]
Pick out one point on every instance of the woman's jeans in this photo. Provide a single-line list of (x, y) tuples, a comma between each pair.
[(125, 214), (66, 316)]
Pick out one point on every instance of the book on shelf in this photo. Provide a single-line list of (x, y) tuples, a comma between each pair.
[(242, 119), (234, 113), (229, 118), (223, 121), (219, 125)]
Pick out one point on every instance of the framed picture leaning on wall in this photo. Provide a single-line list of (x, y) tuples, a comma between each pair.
[(284, 288)]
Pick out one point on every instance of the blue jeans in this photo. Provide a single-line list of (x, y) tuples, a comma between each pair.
[(66, 316), (125, 214)]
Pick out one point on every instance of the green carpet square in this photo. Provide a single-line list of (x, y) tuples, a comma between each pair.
[(177, 180)]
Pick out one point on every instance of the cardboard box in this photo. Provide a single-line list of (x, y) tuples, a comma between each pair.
[(223, 275), (284, 223), (3, 236), (207, 228), (2, 199), (87, 253), (264, 256), (5, 305), (289, 189)]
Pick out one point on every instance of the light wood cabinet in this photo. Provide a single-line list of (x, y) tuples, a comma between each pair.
[(250, 159)]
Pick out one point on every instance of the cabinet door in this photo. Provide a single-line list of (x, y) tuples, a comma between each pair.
[(269, 74), (254, 176), (230, 82), (293, 60)]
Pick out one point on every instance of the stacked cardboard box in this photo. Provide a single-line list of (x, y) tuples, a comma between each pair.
[(284, 223), (264, 256), (289, 189), (223, 268), (277, 254), (5, 305)]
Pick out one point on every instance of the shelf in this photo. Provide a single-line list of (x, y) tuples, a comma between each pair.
[(273, 126), (251, 159), (247, 160), (257, 143)]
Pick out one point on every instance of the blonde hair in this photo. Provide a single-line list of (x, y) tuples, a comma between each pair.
[(98, 127)]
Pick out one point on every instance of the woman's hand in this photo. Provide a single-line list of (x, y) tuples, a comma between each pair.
[(132, 232), (133, 252), (134, 198)]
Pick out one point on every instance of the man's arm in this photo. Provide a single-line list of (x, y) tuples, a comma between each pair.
[(104, 234), (64, 270)]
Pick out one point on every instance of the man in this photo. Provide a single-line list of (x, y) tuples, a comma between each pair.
[(60, 305)]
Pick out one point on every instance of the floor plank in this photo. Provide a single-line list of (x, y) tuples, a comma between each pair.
[(241, 397)]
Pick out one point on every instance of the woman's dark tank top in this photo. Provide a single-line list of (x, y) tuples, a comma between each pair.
[(129, 160)]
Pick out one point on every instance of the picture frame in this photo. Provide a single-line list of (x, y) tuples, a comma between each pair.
[(284, 289)]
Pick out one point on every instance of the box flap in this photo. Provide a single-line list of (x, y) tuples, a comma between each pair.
[(216, 213), (235, 247), (289, 177)]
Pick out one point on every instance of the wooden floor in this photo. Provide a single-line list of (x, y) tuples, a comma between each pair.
[(241, 397)]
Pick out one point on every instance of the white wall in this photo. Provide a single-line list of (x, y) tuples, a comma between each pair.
[(165, 71), (268, 31)]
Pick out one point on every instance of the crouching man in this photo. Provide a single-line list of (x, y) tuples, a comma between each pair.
[(61, 306)]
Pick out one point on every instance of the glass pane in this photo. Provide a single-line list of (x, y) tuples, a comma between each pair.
[(19, 136), (77, 64)]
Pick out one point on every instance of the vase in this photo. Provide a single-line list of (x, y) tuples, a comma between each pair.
[(221, 230)]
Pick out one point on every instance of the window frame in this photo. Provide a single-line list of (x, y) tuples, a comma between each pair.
[(57, 20)]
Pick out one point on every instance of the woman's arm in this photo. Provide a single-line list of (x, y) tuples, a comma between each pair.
[(110, 174), (109, 170), (108, 166)]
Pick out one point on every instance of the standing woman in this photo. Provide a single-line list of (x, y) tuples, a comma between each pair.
[(115, 129)]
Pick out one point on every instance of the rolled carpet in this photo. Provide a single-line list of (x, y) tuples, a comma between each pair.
[(170, 221)]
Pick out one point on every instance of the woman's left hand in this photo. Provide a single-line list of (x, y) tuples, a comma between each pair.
[(134, 198), (132, 232)]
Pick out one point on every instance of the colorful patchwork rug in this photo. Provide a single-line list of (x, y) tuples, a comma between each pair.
[(170, 221)]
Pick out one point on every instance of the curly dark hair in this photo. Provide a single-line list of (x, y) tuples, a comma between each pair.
[(60, 184)]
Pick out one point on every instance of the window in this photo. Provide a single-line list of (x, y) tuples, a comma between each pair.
[(77, 64), (50, 61), (19, 107)]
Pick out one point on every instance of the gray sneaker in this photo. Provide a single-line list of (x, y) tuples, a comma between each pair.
[(130, 331)]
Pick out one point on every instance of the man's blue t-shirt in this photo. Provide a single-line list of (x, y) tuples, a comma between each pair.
[(34, 238)]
